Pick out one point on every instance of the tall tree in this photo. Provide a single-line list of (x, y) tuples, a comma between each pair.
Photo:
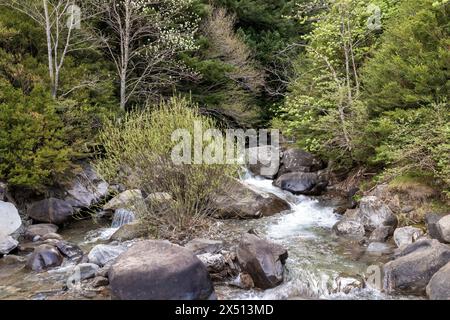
[(60, 20), (143, 38)]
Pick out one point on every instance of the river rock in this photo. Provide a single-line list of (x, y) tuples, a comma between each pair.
[(264, 161), (262, 260), (414, 266), (103, 254), (51, 210), (443, 226), (9, 219), (84, 271), (125, 199), (241, 202), (129, 231), (431, 220), (350, 228), (86, 189), (44, 257), (201, 246), (406, 235), (373, 213), (52, 236), (297, 160), (215, 263), (381, 234), (40, 230), (7, 244), (379, 249), (159, 270), (439, 286), (70, 250), (309, 183)]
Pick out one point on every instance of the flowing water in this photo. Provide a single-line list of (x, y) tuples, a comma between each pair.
[(319, 265)]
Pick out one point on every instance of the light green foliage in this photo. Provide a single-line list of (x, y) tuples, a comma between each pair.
[(138, 152), (416, 141), (323, 109)]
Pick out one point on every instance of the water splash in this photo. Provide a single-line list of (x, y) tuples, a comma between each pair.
[(122, 217), (316, 265)]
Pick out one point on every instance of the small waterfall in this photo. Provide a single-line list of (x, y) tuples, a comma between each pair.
[(121, 217)]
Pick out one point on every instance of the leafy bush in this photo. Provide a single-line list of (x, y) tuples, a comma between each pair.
[(138, 152), (416, 141)]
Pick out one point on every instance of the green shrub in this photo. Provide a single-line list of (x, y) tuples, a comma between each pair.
[(33, 149), (138, 152)]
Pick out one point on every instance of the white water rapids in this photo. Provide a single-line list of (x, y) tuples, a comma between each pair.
[(319, 265)]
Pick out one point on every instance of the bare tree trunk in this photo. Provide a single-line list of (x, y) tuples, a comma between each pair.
[(48, 32), (125, 48)]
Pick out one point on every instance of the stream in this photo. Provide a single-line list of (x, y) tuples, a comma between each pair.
[(320, 265)]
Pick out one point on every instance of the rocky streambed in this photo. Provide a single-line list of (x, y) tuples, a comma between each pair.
[(279, 241)]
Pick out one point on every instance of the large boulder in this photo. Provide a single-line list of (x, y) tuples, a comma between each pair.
[(349, 228), (7, 244), (44, 257), (86, 189), (297, 160), (159, 270), (306, 183), (262, 260), (9, 219), (51, 210), (103, 254), (264, 161), (381, 234), (240, 201), (443, 226), (40, 230), (414, 266), (431, 220), (439, 286), (374, 213), (126, 199), (129, 231), (406, 235)]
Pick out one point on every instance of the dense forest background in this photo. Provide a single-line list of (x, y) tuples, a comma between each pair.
[(361, 83)]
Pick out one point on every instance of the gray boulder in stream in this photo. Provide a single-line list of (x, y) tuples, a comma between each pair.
[(374, 213), (51, 210), (159, 270), (349, 228), (414, 266), (297, 160), (306, 183), (104, 254), (86, 189), (44, 257), (241, 202), (262, 260), (439, 286)]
